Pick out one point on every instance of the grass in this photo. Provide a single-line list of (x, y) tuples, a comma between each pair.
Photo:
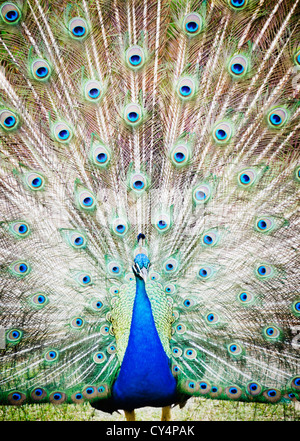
[(197, 409)]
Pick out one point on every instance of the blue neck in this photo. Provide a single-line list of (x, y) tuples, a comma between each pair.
[(145, 378)]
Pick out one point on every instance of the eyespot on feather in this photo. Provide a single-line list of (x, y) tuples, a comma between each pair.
[(10, 13), (192, 24), (41, 70), (9, 120), (222, 132), (62, 132), (135, 57), (238, 66), (78, 28), (186, 88)]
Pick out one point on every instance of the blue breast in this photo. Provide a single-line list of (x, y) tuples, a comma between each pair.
[(145, 378)]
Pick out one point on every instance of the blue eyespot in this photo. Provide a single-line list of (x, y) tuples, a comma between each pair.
[(161, 224), (210, 317), (12, 15), (233, 390), (253, 387), (41, 299), (94, 92), (298, 59), (203, 385), (270, 331), (36, 182), (78, 31), (191, 26), (262, 225), (86, 279), (133, 116), (57, 396), (297, 306), (79, 322), (9, 121), (38, 392), (63, 134), (297, 381), (138, 185), (245, 179), (237, 3), (291, 395), (101, 157), (23, 229), (179, 156), (203, 272), (187, 303), (42, 72), (214, 389), (272, 393), (78, 396), (176, 369), (16, 396), (233, 348), (169, 266), (208, 239), (120, 228), (89, 390), (78, 241), (221, 134), (88, 201), (262, 270), (200, 195), (191, 385), (275, 119), (243, 296), (16, 334), (100, 356), (185, 90), (237, 68), (23, 268), (135, 59), (101, 389)]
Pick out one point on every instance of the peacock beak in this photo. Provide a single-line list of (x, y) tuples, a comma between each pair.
[(144, 274)]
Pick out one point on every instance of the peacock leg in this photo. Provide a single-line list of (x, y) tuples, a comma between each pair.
[(130, 415), (166, 413)]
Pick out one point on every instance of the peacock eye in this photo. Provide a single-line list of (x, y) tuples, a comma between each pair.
[(264, 224), (96, 305), (10, 13), (180, 328), (264, 271), (190, 354), (247, 177), (272, 333), (297, 58), (92, 91), (39, 300), (77, 323), (222, 133), (41, 70), (8, 119), (212, 318), (138, 182), (120, 226), (114, 268), (112, 349), (100, 155), (201, 194), (177, 352), (20, 229), (296, 383), (254, 388), (62, 132), (162, 223), (20, 268), (192, 24), (78, 28), (238, 66), (84, 279), (235, 349), (99, 357), (135, 57), (170, 289), (186, 88), (86, 200), (171, 265), (180, 155), (245, 297), (210, 239), (277, 117), (14, 335), (237, 4), (133, 114), (51, 355), (104, 330)]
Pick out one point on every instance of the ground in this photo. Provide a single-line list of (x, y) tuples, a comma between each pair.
[(197, 409)]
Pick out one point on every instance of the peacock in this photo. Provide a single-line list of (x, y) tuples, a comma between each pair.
[(149, 177)]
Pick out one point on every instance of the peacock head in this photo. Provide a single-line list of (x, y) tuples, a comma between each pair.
[(141, 266)]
